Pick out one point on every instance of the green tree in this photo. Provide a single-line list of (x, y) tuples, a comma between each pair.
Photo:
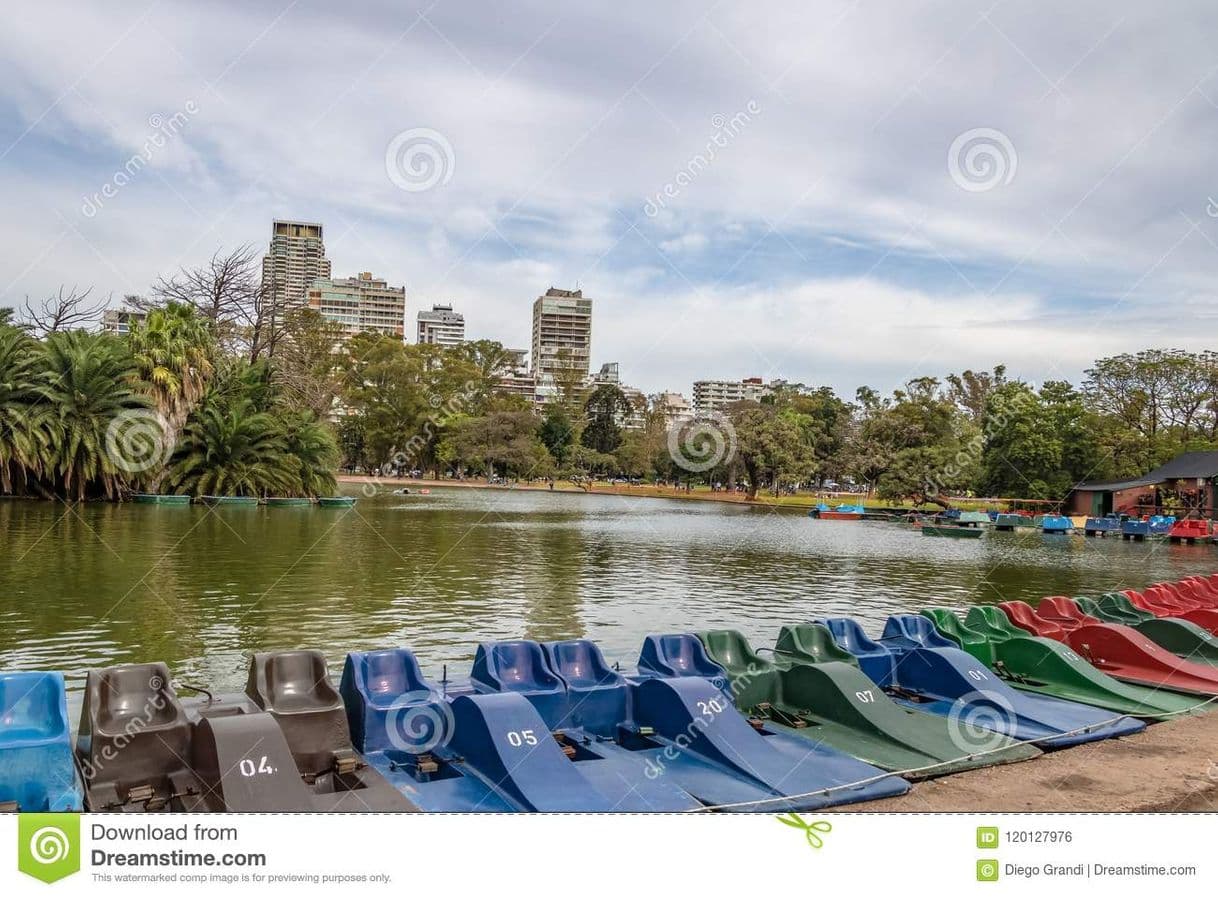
[(23, 434), (605, 409), (769, 446), (557, 433), (232, 449), (87, 382)]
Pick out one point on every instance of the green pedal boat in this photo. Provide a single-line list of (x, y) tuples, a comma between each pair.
[(814, 689), (1048, 667), (1178, 636)]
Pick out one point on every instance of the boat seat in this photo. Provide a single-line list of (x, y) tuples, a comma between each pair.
[(520, 666), (1063, 611), (992, 623), (286, 682), (1117, 604), (598, 695), (133, 729), (379, 686), (36, 768), (1021, 614), (810, 643), (755, 680), (295, 688), (679, 654), (914, 631), (875, 660)]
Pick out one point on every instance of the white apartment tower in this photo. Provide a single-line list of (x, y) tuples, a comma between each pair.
[(562, 333), (441, 326), (297, 257)]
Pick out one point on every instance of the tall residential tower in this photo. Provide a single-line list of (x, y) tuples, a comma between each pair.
[(297, 257), (562, 334)]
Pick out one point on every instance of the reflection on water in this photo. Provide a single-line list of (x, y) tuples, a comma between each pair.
[(104, 584)]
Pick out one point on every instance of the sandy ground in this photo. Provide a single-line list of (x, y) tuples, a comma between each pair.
[(1171, 767)]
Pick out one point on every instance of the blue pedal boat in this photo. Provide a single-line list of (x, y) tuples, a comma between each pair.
[(554, 728), (1101, 526), (914, 663), (37, 772), (1056, 524)]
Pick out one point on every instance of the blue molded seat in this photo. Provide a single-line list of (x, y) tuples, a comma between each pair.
[(913, 631), (379, 686), (679, 654), (36, 766), (520, 666), (875, 659), (598, 695)]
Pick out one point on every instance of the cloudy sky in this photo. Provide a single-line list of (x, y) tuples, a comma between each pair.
[(834, 193)]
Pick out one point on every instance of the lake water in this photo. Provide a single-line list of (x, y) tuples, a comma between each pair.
[(102, 584)]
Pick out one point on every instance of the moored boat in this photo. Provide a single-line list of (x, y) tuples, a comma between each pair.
[(937, 676), (280, 746), (1135, 530), (1056, 524), (236, 501), (336, 501), (141, 498), (1102, 526), (952, 531), (842, 512), (1189, 531), (37, 773)]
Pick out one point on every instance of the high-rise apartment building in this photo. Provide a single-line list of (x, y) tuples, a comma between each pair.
[(297, 257), (441, 326), (711, 395), (363, 304), (562, 335)]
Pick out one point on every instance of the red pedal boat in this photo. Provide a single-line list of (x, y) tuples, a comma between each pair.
[(1162, 602), (1120, 651)]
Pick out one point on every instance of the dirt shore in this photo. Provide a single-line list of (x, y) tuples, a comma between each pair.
[(1172, 767), (642, 491)]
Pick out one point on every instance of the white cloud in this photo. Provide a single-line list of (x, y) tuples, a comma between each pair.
[(565, 118)]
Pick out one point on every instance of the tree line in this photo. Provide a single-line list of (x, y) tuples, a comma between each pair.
[(219, 390)]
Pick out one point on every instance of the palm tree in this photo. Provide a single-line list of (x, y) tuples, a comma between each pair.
[(172, 349), (23, 433), (229, 448), (315, 449), (88, 384)]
